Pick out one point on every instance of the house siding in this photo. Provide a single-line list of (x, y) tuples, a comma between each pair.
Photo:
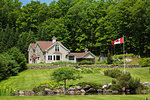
[(39, 52), (51, 52), (30, 54)]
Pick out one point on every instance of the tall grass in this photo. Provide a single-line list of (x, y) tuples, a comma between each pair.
[(6, 91)]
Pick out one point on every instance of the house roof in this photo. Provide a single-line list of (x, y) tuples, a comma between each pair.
[(45, 44), (32, 45), (80, 55)]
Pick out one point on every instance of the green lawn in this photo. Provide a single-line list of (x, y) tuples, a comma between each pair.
[(84, 97), (26, 80)]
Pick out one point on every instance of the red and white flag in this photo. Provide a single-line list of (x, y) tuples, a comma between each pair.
[(118, 41)]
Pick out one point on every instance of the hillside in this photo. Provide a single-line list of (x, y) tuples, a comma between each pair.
[(26, 80)]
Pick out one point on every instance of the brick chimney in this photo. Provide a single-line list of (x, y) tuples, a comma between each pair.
[(86, 49), (53, 39)]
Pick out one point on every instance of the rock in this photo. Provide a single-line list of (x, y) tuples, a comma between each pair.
[(87, 87), (143, 91), (28, 93), (71, 89), (21, 93), (78, 87), (82, 92), (49, 91), (104, 86), (91, 90), (77, 92), (71, 92), (115, 92)]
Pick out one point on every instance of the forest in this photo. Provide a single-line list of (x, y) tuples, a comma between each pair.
[(78, 24)]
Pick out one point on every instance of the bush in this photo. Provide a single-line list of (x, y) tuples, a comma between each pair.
[(18, 57), (114, 73), (104, 62), (116, 87), (93, 85), (109, 59), (89, 70), (63, 63), (3, 67), (85, 62), (6, 91), (46, 84), (134, 84), (145, 62), (13, 67)]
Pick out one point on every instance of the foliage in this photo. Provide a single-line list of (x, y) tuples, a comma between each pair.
[(3, 67), (65, 73), (7, 91), (145, 62), (124, 80), (93, 85), (89, 70), (109, 58), (114, 73), (104, 62), (63, 63), (46, 84), (116, 87), (85, 62), (13, 66), (18, 57)]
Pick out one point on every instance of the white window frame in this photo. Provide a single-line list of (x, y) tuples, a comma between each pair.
[(57, 49)]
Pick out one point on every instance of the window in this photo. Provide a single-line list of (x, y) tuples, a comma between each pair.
[(50, 57), (38, 58), (57, 48), (57, 57), (71, 57)]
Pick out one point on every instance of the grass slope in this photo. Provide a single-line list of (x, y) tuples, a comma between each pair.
[(26, 80), (84, 97)]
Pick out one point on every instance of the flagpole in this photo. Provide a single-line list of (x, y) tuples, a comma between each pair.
[(124, 54)]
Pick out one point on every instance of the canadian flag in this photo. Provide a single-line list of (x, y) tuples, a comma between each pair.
[(118, 41)]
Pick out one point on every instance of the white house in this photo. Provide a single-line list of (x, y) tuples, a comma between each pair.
[(54, 51)]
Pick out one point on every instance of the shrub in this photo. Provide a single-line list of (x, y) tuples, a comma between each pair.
[(145, 62), (18, 57), (116, 87), (93, 85), (46, 84), (13, 67), (85, 62), (63, 63), (134, 84), (64, 74), (124, 76), (6, 91), (104, 62), (114, 73), (3, 67), (109, 59)]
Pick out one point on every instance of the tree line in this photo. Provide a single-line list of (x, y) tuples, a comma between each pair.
[(78, 24)]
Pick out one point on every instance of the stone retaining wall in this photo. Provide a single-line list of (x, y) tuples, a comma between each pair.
[(94, 66)]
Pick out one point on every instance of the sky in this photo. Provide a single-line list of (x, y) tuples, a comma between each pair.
[(42, 1)]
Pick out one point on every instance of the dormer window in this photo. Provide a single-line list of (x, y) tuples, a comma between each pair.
[(57, 48)]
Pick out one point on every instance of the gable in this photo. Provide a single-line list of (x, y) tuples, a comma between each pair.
[(89, 56), (57, 43)]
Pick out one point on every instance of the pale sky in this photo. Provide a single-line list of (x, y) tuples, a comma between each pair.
[(42, 1)]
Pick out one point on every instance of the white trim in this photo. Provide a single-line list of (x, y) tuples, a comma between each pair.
[(89, 53), (55, 44)]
